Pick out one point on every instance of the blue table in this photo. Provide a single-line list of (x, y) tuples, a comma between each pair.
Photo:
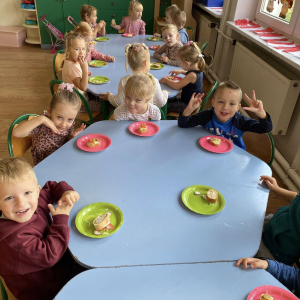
[(145, 177), (169, 282), (116, 70)]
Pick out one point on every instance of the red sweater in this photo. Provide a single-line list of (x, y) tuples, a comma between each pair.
[(33, 260)]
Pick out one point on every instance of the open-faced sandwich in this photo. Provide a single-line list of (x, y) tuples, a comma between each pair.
[(156, 65), (215, 141), (212, 196), (102, 223), (155, 47), (265, 297), (113, 22), (143, 128), (94, 143), (129, 35)]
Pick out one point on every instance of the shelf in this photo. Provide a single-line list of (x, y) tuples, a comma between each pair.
[(30, 26), (209, 10), (28, 9), (161, 21), (33, 40)]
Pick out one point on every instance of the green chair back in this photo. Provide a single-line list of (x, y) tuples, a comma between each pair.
[(203, 46), (212, 89), (53, 63), (191, 31), (3, 291), (273, 148), (84, 101), (18, 146)]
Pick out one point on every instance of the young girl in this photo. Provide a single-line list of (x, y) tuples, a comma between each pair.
[(51, 131), (85, 30), (193, 65), (138, 57), (88, 14), (133, 23), (139, 90), (75, 67), (170, 48)]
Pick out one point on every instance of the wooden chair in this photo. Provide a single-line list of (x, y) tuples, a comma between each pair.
[(191, 33), (17, 147), (5, 292), (58, 58), (87, 117)]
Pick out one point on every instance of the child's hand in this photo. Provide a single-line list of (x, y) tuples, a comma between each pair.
[(254, 263), (175, 72), (271, 182), (102, 22), (164, 59), (195, 101), (83, 64), (104, 96), (78, 130), (164, 80), (68, 198), (89, 73), (60, 210), (157, 35), (255, 106), (110, 58), (49, 123), (166, 91)]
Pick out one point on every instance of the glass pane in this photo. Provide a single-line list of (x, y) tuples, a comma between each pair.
[(280, 9)]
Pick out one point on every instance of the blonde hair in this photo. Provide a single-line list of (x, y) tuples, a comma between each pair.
[(69, 37), (136, 54), (170, 27), (192, 53), (228, 85), (15, 169), (86, 11), (179, 18), (141, 86), (84, 29), (133, 5), (171, 9), (66, 97)]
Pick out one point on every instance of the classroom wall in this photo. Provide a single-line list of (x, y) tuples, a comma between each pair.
[(246, 9), (11, 13)]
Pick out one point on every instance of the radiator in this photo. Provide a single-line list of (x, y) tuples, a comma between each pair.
[(274, 85)]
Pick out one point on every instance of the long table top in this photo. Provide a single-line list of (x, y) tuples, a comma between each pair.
[(145, 177)]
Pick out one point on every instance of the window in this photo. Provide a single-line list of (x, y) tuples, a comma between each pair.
[(282, 10)]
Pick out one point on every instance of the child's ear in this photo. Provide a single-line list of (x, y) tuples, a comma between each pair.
[(147, 100), (48, 111), (177, 36), (239, 105)]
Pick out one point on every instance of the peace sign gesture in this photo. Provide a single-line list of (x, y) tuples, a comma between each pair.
[(255, 106)]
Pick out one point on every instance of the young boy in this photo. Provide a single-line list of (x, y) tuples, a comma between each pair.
[(223, 118), (179, 19), (34, 262), (168, 12)]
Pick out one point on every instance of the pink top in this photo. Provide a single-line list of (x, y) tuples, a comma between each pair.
[(70, 71), (137, 27), (45, 142), (94, 54)]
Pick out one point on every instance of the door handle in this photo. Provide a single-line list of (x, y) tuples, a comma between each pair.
[(113, 16), (113, 3)]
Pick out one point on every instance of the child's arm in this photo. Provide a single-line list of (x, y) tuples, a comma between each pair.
[(191, 77), (155, 114), (99, 56), (25, 127), (102, 30), (175, 72), (77, 131), (158, 52), (142, 28), (160, 97), (82, 82), (118, 27), (273, 186)]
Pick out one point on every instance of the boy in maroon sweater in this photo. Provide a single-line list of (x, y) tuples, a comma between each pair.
[(34, 262)]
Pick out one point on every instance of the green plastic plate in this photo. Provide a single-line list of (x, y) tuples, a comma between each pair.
[(198, 204), (154, 39), (153, 67), (98, 79), (84, 219), (102, 39), (97, 63)]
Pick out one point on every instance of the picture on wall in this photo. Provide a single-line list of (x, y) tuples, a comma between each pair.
[(282, 9)]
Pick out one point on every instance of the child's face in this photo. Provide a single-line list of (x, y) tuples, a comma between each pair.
[(168, 18), (93, 17), (135, 105), (226, 103), (137, 13), (77, 50), (63, 116), (19, 200), (170, 38)]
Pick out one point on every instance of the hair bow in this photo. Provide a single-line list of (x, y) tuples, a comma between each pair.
[(189, 43), (67, 86), (200, 55), (137, 48)]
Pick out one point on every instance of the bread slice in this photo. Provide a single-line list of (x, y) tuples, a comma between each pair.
[(215, 141), (102, 221), (265, 297), (113, 22), (212, 196)]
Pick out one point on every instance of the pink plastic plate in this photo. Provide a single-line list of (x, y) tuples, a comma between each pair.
[(105, 142), (174, 79), (126, 35), (154, 47), (152, 128), (276, 292), (225, 146)]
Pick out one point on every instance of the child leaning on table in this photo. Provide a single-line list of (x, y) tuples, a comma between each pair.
[(88, 14), (35, 262), (53, 130), (133, 23), (223, 118), (138, 57), (193, 65), (168, 52), (139, 90)]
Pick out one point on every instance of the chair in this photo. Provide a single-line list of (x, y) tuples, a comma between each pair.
[(87, 117), (191, 33), (58, 58), (18, 146), (5, 292), (203, 46), (111, 115)]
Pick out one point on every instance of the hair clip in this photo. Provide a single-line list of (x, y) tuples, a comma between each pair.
[(67, 86), (200, 55), (189, 43), (137, 48)]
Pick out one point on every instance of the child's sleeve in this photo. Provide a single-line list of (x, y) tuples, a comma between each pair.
[(117, 100), (158, 52), (160, 97), (201, 118), (74, 73), (142, 28), (175, 62), (287, 275), (97, 55), (123, 25), (155, 114), (35, 130), (247, 124), (119, 113), (52, 191)]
